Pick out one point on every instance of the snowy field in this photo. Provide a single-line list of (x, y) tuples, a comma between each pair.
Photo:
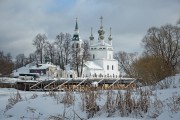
[(163, 104)]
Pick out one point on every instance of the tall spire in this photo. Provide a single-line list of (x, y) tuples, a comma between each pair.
[(101, 20), (76, 26), (101, 31), (76, 36)]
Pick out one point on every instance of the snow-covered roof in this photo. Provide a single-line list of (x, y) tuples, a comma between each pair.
[(41, 66), (92, 65), (24, 69), (100, 44)]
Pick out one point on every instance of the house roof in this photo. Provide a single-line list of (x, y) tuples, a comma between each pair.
[(92, 65), (41, 66)]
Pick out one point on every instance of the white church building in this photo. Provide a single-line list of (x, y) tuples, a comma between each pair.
[(101, 63)]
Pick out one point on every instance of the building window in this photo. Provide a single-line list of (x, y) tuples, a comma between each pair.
[(77, 45), (112, 67), (107, 67), (93, 56)]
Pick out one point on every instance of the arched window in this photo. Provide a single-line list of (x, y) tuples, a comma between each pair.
[(93, 56), (77, 45), (112, 67), (107, 67)]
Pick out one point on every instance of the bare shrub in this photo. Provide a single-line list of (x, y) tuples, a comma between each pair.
[(89, 104), (68, 99), (82, 96), (58, 117), (110, 103), (174, 103), (128, 105), (52, 93), (14, 98), (156, 108)]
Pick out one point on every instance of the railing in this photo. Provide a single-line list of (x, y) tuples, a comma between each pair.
[(49, 84), (59, 86), (35, 84)]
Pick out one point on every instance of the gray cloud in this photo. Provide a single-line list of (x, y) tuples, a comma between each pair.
[(21, 21)]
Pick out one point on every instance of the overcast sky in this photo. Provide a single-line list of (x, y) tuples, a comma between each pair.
[(22, 20)]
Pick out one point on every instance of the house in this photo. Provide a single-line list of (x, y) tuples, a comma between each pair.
[(47, 69)]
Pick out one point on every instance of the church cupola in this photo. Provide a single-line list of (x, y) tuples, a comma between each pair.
[(101, 32), (110, 38), (76, 36), (91, 37)]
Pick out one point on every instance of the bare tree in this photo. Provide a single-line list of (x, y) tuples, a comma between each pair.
[(49, 50), (125, 61), (76, 60), (6, 64), (20, 60), (32, 58), (67, 48), (85, 54), (59, 42), (80, 54), (39, 43), (63, 43), (165, 43)]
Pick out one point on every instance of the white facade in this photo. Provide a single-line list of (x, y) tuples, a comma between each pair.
[(102, 63)]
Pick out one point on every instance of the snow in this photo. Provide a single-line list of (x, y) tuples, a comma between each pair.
[(24, 69), (92, 65), (44, 105), (42, 66), (100, 44)]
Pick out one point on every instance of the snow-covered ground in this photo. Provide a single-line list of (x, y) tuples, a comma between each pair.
[(164, 104)]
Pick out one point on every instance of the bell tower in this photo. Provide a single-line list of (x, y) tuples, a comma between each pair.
[(77, 42)]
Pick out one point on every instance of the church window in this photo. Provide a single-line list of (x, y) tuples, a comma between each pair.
[(107, 67), (95, 75), (104, 48), (93, 56), (77, 45), (112, 67), (95, 48), (91, 48)]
